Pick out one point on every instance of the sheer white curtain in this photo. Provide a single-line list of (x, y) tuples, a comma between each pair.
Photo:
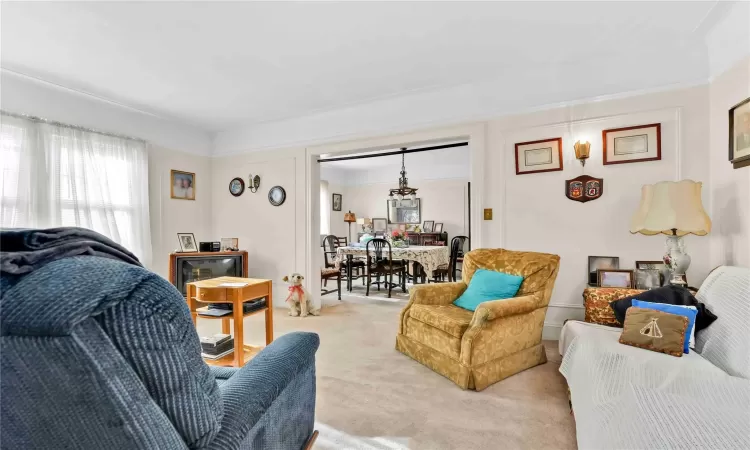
[(325, 209), (54, 175)]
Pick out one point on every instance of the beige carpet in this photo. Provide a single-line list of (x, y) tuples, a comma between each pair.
[(372, 397)]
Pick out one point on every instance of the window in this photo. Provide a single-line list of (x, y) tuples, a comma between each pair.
[(325, 209), (53, 175)]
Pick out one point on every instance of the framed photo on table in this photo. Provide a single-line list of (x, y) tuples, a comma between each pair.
[(739, 134), (539, 156), (379, 224), (601, 262), (438, 228), (632, 144), (187, 242), (428, 226), (615, 278)]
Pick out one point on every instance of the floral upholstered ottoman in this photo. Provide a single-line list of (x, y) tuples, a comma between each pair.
[(596, 303)]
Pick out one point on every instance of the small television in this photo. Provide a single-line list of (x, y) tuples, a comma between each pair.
[(196, 266)]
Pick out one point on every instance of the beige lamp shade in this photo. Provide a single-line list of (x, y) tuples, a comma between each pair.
[(670, 205)]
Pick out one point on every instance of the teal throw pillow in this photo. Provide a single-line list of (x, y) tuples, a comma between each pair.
[(488, 285)]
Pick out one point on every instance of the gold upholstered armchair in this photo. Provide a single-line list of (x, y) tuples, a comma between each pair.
[(499, 339)]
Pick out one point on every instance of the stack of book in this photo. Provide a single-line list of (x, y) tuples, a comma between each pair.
[(217, 346)]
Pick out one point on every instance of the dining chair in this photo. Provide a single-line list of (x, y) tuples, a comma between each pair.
[(330, 244), (460, 244), (445, 272), (378, 264)]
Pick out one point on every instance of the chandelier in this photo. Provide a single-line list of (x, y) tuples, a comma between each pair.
[(403, 185)]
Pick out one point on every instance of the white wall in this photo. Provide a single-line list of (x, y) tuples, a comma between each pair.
[(729, 188), (533, 213), (270, 234), (170, 216)]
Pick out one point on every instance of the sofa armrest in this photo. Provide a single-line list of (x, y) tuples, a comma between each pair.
[(436, 294), (503, 308), (251, 390)]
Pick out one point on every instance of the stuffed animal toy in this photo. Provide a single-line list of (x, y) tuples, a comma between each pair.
[(298, 299)]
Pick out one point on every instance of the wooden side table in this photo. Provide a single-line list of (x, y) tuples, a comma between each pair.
[(235, 291)]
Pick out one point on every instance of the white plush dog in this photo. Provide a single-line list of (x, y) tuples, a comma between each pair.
[(298, 298)]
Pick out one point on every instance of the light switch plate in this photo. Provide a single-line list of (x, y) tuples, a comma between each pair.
[(488, 214)]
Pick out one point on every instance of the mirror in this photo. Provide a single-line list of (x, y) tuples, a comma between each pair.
[(404, 211)]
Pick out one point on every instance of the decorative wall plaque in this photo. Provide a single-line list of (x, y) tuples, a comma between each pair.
[(584, 188)]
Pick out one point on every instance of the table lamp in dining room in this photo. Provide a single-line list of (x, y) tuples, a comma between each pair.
[(673, 208), (350, 218)]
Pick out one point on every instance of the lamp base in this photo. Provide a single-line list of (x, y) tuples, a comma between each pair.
[(677, 260)]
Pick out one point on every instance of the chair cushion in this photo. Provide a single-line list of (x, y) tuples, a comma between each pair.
[(449, 318), (327, 273)]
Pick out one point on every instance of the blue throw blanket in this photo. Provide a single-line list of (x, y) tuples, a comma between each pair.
[(24, 250)]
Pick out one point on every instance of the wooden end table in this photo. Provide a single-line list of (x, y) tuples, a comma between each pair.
[(235, 291)]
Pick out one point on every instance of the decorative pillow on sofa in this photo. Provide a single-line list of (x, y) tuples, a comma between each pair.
[(654, 330), (488, 285), (670, 295), (681, 310)]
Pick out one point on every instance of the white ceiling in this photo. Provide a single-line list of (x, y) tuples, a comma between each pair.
[(224, 64)]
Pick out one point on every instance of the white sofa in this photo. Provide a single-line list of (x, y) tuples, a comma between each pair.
[(627, 397)]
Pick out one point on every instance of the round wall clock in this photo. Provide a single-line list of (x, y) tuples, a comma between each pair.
[(237, 186), (277, 195)]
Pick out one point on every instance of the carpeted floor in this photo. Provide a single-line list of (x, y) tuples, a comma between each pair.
[(372, 397)]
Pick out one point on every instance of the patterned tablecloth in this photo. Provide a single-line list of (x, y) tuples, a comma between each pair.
[(429, 257)]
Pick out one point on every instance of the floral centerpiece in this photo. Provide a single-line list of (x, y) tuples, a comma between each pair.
[(399, 238)]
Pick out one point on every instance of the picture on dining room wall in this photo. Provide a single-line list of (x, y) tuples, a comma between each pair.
[(336, 202), (428, 226), (632, 144), (739, 133), (182, 185), (539, 156)]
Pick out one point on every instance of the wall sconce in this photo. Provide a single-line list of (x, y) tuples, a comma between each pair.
[(253, 183), (582, 151)]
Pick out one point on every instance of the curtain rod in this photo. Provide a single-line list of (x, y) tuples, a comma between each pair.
[(395, 152), (65, 125)]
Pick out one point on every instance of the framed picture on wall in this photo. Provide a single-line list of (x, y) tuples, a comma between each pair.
[(182, 185), (539, 156), (336, 202), (632, 144), (739, 133)]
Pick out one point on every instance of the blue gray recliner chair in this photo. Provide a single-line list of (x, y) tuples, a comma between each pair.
[(98, 353)]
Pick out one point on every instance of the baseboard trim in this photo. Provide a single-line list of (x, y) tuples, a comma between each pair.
[(564, 305)]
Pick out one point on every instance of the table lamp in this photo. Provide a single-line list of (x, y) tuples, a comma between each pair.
[(350, 218), (675, 209), (365, 223)]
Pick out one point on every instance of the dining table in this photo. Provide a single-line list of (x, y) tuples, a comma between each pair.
[(429, 257)]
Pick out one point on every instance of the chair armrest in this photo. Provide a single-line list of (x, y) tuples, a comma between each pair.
[(436, 294), (251, 390), (503, 308)]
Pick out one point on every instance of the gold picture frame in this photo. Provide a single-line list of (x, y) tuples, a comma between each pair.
[(182, 185)]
